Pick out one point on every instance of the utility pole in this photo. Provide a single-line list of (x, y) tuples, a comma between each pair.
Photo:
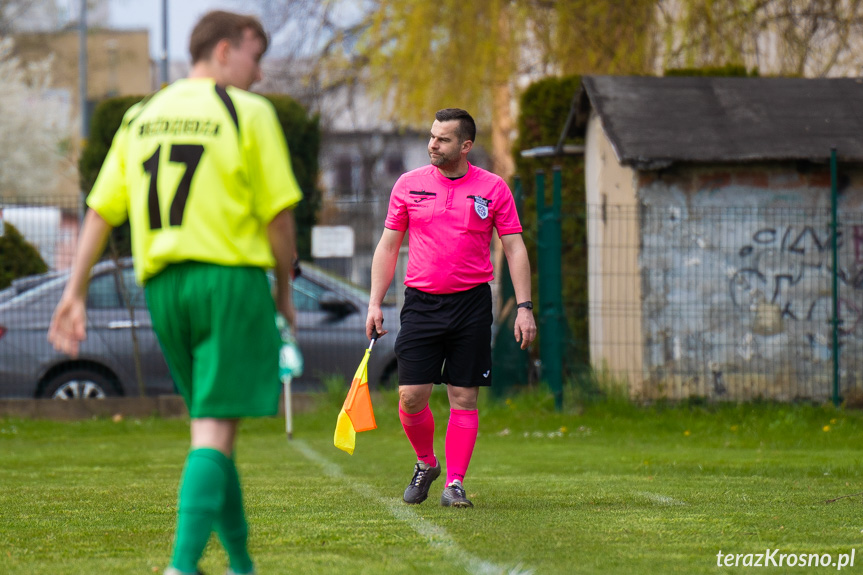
[(163, 72), (82, 71)]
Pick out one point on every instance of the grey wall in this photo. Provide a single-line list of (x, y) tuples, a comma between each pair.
[(736, 271)]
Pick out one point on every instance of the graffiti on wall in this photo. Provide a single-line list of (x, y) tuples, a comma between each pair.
[(765, 329), (791, 267)]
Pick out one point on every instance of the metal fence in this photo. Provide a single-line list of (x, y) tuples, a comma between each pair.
[(722, 303)]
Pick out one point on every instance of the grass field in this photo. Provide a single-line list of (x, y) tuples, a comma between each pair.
[(602, 488)]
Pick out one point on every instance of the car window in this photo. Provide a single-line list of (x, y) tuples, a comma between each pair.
[(345, 285), (36, 294), (103, 293), (306, 294)]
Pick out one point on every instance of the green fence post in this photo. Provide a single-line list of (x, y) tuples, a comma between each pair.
[(834, 227), (550, 285), (510, 363)]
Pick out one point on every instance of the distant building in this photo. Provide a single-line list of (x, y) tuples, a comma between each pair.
[(118, 65), (709, 234), (118, 61)]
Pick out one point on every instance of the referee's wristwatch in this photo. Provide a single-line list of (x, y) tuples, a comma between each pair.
[(525, 304)]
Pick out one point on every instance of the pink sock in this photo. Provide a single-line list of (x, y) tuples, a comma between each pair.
[(460, 440), (419, 427)]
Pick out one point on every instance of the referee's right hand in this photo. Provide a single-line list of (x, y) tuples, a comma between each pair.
[(375, 322)]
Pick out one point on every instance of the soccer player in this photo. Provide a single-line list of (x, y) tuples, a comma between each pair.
[(201, 170), (449, 210)]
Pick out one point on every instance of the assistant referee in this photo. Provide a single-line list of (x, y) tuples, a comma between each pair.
[(449, 210)]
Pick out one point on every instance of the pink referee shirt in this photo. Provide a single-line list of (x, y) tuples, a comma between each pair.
[(449, 225)]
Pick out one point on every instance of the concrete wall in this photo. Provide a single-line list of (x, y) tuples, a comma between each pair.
[(736, 272), (614, 287)]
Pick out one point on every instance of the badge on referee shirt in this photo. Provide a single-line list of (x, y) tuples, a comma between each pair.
[(481, 206)]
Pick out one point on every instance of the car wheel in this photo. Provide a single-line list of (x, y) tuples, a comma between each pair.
[(79, 384)]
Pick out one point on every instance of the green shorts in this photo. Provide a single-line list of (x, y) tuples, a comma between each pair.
[(216, 326)]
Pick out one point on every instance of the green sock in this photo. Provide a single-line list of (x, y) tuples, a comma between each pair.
[(202, 497), (231, 524)]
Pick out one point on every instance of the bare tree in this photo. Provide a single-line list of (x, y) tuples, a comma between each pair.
[(314, 53), (32, 127), (811, 38), (20, 15), (416, 56)]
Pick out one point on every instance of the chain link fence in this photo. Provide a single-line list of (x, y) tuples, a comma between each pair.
[(723, 303), (726, 304)]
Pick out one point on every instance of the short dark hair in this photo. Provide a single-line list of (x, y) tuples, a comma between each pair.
[(218, 25), (466, 126)]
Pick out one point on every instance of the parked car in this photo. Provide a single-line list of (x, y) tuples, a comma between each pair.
[(330, 331), (20, 285)]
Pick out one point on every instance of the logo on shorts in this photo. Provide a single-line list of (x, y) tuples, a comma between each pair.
[(481, 206), (486, 374)]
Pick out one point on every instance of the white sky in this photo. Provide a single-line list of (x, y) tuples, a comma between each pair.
[(182, 16)]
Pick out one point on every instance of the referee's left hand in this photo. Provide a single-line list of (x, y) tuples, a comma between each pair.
[(525, 327)]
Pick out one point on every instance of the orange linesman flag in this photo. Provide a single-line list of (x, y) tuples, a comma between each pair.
[(356, 414)]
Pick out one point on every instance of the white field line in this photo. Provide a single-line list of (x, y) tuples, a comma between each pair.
[(436, 536), (660, 499)]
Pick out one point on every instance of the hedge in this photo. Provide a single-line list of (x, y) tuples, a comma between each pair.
[(544, 108)]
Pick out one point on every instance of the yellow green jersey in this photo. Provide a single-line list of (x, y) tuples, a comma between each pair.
[(200, 171)]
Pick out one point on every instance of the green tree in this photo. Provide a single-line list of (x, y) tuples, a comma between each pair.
[(421, 56), (430, 55), (301, 132)]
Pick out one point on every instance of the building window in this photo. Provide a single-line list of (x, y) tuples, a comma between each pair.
[(344, 176), (395, 165)]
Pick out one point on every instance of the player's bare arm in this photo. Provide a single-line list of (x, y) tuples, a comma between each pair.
[(383, 269), (69, 323), (281, 234), (519, 270)]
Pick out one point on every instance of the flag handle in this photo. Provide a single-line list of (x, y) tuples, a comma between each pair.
[(289, 420)]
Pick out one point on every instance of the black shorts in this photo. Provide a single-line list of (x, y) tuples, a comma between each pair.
[(445, 338)]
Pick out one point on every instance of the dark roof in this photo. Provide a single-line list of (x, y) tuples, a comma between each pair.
[(654, 122)]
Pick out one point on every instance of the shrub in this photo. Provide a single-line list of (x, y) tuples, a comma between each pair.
[(18, 257)]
